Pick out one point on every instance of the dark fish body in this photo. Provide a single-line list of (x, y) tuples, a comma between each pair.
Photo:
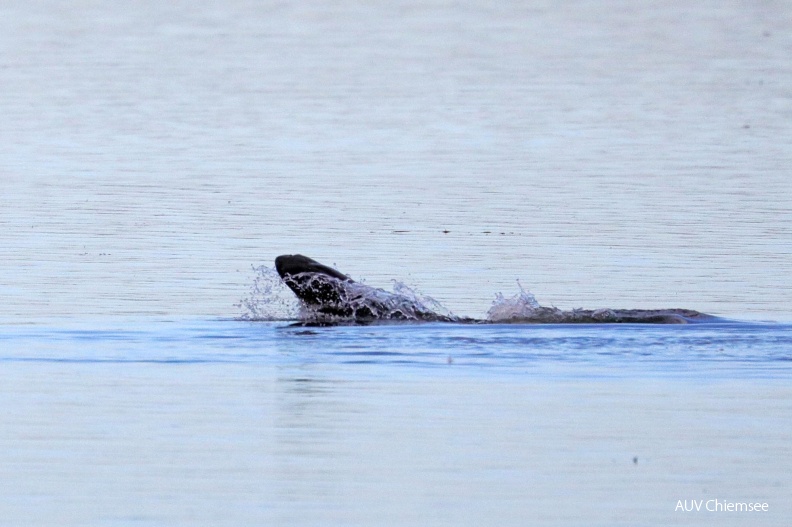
[(326, 291), (332, 297)]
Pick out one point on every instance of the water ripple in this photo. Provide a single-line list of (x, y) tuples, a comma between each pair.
[(725, 349)]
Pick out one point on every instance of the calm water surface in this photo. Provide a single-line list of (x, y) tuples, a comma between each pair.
[(237, 423), (612, 155)]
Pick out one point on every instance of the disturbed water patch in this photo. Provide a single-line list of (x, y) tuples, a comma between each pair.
[(331, 299)]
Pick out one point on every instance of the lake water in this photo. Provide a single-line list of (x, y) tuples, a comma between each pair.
[(165, 422), (153, 157)]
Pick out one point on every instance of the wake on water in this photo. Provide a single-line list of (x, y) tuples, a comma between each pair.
[(270, 299)]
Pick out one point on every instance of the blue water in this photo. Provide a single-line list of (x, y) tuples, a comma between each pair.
[(173, 422), (721, 349)]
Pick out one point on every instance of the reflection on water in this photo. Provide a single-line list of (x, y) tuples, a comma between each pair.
[(237, 423), (240, 444)]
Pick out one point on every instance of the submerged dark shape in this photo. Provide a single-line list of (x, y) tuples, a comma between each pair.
[(332, 297), (553, 315)]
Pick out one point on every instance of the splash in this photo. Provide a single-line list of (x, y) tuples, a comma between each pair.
[(335, 301), (425, 301), (269, 299), (523, 308)]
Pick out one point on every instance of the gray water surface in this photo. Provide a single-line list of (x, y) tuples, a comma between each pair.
[(605, 155)]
